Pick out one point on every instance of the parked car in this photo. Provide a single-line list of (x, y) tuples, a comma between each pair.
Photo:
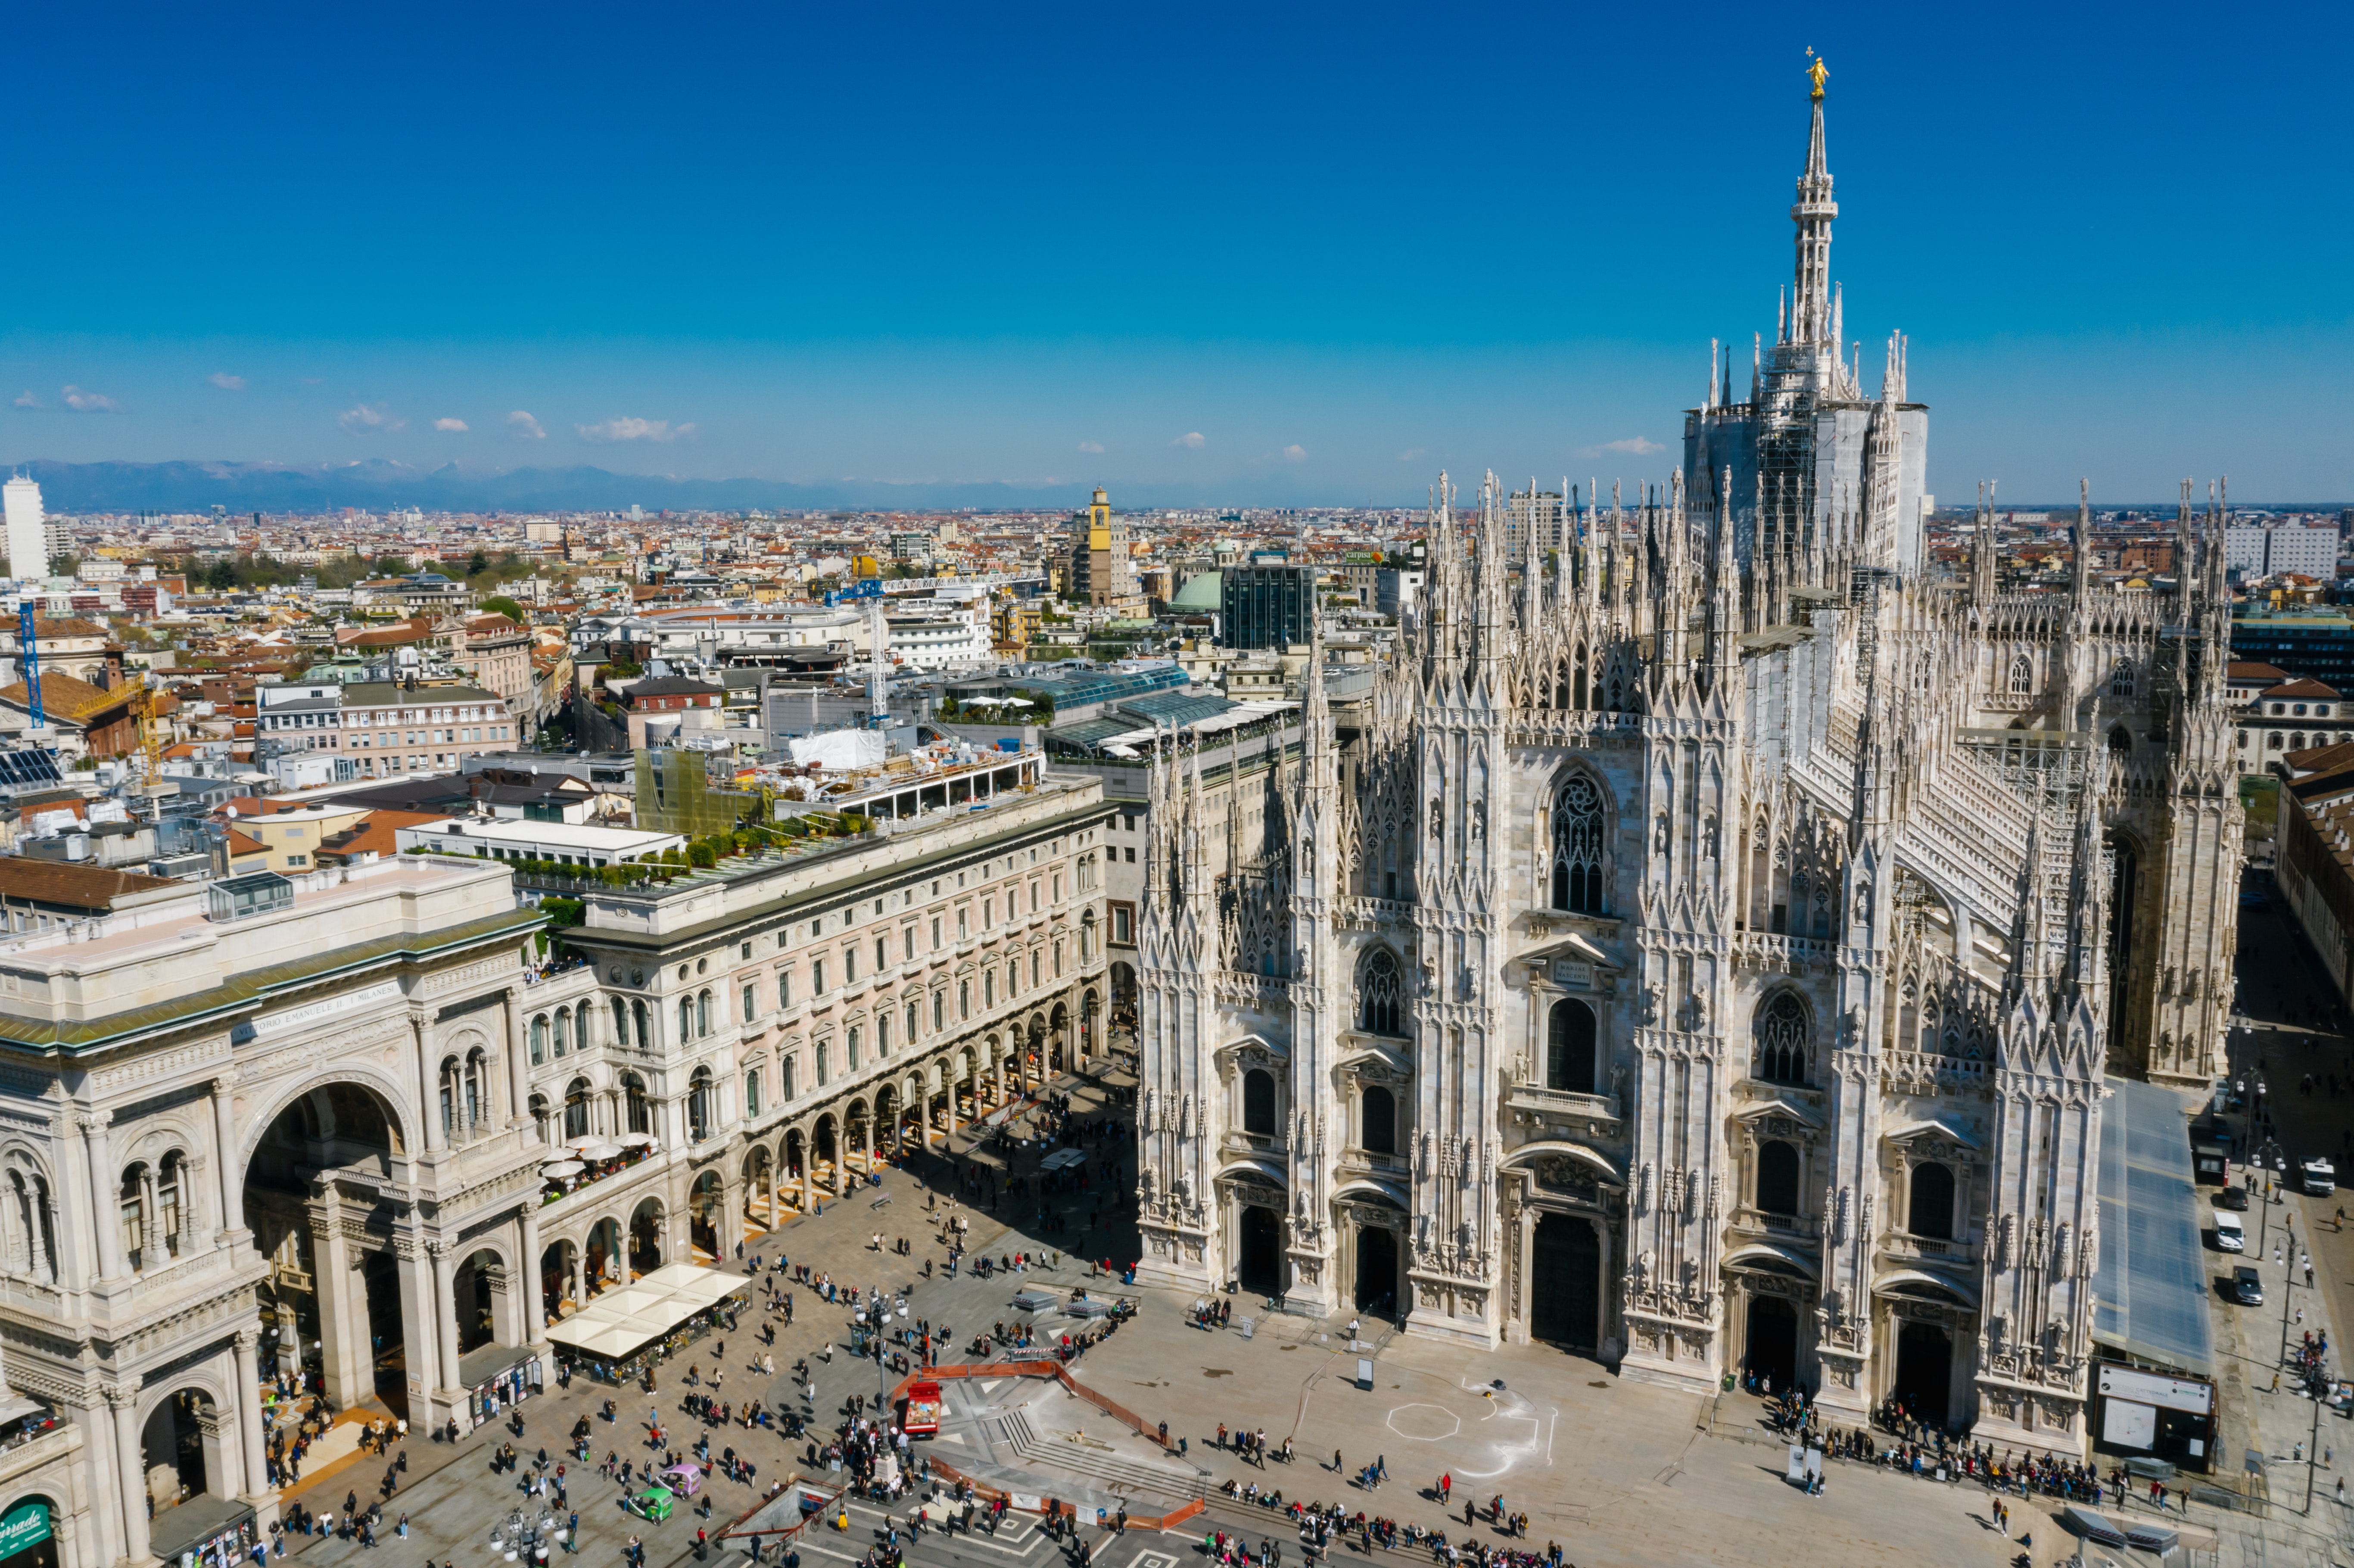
[(2230, 1235), (2233, 1198), (2247, 1287), (2317, 1177)]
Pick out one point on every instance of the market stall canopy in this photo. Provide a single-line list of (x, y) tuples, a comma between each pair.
[(562, 1168), (631, 1317), (637, 1139), (597, 1149)]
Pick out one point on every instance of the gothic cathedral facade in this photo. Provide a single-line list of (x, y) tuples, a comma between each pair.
[(1703, 947)]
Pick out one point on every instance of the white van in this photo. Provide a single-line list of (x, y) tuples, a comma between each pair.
[(2230, 1235)]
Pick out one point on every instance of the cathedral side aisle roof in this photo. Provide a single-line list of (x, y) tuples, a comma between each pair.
[(2149, 1295)]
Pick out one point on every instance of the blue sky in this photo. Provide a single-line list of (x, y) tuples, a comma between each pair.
[(1251, 253)]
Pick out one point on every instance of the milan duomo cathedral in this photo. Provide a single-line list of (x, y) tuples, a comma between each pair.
[(1703, 947)]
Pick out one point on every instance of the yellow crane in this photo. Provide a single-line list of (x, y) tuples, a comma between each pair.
[(150, 737)]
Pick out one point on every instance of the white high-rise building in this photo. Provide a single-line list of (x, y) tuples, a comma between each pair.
[(28, 540)]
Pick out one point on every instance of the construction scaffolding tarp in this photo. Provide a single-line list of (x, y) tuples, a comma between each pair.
[(839, 750), (630, 1317)]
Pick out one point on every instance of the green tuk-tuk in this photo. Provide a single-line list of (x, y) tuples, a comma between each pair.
[(655, 1503)]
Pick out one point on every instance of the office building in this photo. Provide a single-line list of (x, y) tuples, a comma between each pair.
[(1267, 605), (28, 535)]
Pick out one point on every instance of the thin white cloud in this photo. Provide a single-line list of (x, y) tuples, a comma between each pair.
[(1634, 446), (25, 399), (1295, 452), (626, 428), (1095, 447), (458, 426), (1193, 439), (524, 428), (366, 419), (1413, 452), (226, 382), (82, 402)]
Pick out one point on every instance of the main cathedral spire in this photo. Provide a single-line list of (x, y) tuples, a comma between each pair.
[(1810, 317)]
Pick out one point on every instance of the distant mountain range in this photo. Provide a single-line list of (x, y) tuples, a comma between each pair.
[(379, 485)]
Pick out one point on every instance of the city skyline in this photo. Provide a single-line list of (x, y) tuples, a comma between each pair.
[(1291, 273)]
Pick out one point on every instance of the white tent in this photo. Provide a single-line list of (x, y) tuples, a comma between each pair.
[(629, 1317)]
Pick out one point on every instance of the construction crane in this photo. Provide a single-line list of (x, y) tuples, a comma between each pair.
[(878, 637), (29, 645), (150, 737)]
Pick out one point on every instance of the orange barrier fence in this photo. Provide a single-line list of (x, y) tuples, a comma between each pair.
[(1053, 1368)]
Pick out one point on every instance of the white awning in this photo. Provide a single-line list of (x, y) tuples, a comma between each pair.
[(630, 1316)]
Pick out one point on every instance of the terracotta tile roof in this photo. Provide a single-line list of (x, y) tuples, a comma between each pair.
[(63, 697), (2300, 688), (375, 834), (76, 886), (47, 626), (2249, 671), (244, 845)]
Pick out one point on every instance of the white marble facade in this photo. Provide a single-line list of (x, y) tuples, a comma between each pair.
[(1704, 947)]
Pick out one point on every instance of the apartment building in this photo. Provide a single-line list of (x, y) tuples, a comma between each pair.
[(391, 727), (778, 1028)]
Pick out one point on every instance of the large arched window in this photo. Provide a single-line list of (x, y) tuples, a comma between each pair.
[(698, 1104), (1777, 1177), (1379, 989), (1379, 1116), (1781, 1039), (167, 1201), (1931, 1212), (1569, 1048), (1258, 1102), (1577, 845), (563, 1027), (539, 1039), (2022, 676), (2121, 679), (633, 1090), (576, 1110)]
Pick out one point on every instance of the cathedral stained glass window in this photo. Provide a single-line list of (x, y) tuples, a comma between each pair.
[(1578, 847), (1378, 988), (1781, 1034)]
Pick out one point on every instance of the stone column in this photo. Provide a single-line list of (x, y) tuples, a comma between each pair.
[(420, 1341), (69, 1546), (445, 1312), (131, 1465), (232, 1182), (809, 1163), (535, 1299), (518, 1063), (249, 1412), (428, 1087), (343, 1346), (106, 1210)]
